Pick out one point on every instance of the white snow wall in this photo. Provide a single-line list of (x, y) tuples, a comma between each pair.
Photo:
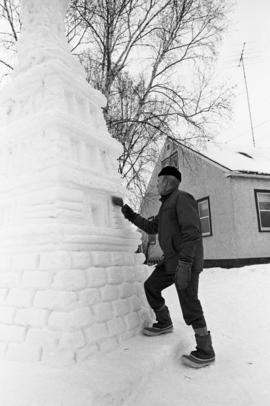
[(70, 283)]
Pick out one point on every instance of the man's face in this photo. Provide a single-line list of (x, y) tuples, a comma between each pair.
[(161, 184)]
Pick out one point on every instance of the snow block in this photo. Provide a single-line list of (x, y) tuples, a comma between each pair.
[(135, 303), (96, 277), (72, 340), (7, 315), (23, 353), (36, 279), (101, 259), (12, 333), (19, 297), (121, 307), (109, 344), (55, 299), (58, 357), (115, 275), (3, 348), (89, 297), (5, 262), (142, 272), (69, 280), (132, 320), (32, 317), (3, 295), (86, 353), (109, 293), (139, 258), (122, 258), (103, 311), (9, 279), (44, 337), (116, 326), (126, 290), (139, 289), (130, 274), (71, 320), (25, 262), (80, 260), (96, 332), (55, 260)]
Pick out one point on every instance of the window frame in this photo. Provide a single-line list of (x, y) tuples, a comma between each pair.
[(260, 227), (207, 198)]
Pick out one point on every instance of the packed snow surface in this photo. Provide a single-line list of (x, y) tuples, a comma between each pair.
[(147, 370), (236, 304)]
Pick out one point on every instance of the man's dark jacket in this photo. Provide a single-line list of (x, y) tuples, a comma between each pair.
[(179, 231)]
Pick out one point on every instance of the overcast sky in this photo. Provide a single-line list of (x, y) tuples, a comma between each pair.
[(250, 24)]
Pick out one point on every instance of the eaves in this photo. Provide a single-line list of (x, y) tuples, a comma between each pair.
[(248, 174)]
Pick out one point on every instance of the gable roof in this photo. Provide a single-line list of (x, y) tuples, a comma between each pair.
[(236, 160)]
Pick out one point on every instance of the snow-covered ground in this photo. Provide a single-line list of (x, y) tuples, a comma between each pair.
[(147, 370), (237, 308)]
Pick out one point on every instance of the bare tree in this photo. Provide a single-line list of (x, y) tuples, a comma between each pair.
[(10, 28), (153, 60)]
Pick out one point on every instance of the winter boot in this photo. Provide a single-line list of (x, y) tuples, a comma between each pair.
[(203, 355), (164, 323)]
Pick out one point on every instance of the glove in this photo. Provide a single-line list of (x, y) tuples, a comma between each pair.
[(161, 263), (183, 275), (128, 212)]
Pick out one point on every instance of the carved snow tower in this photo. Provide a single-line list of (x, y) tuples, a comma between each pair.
[(70, 283)]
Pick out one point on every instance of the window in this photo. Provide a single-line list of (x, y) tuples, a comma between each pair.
[(205, 216), (172, 160), (262, 198)]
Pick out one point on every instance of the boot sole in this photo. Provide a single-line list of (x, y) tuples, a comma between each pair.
[(196, 363), (157, 333)]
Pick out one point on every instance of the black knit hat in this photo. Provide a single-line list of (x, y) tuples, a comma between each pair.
[(171, 170)]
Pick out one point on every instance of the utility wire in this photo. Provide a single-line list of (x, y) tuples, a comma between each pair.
[(243, 133)]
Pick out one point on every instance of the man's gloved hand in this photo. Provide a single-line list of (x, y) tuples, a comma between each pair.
[(161, 263), (183, 275), (128, 212)]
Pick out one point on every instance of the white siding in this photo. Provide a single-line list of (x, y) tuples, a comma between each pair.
[(250, 241), (232, 205)]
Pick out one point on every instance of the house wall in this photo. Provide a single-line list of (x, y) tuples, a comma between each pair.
[(202, 179), (250, 242), (232, 204), (196, 175)]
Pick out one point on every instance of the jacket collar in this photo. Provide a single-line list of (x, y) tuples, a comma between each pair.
[(165, 197)]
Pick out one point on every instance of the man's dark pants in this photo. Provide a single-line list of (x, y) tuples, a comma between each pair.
[(190, 304)]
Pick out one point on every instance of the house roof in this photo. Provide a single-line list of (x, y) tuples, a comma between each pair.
[(239, 160)]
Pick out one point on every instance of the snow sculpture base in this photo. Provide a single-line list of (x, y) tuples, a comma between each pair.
[(70, 283)]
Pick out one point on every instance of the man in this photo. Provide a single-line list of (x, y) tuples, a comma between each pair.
[(178, 227)]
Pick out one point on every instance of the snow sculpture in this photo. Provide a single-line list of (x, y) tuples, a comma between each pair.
[(70, 283)]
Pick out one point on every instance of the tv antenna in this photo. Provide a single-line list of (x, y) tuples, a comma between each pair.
[(241, 62)]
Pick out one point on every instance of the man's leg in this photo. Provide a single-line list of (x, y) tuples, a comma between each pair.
[(191, 305), (153, 287), (193, 315)]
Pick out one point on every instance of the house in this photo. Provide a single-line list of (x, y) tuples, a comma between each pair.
[(232, 189)]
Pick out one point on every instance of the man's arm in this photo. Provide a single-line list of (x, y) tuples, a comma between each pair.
[(149, 226), (189, 222)]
